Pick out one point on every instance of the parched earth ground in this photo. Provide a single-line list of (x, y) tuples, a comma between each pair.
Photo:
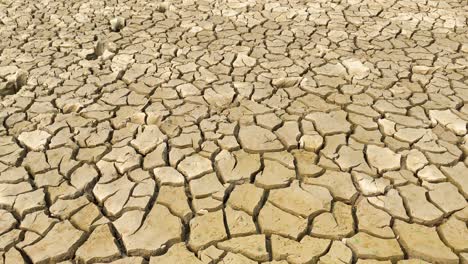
[(319, 131)]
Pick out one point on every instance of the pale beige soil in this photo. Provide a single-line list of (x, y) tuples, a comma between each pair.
[(233, 132)]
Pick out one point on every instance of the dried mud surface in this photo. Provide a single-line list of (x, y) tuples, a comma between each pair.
[(233, 131)]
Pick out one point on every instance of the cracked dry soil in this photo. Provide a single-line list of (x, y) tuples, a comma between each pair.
[(233, 132)]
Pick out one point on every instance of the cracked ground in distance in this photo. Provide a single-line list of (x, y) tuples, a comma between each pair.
[(233, 132)]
